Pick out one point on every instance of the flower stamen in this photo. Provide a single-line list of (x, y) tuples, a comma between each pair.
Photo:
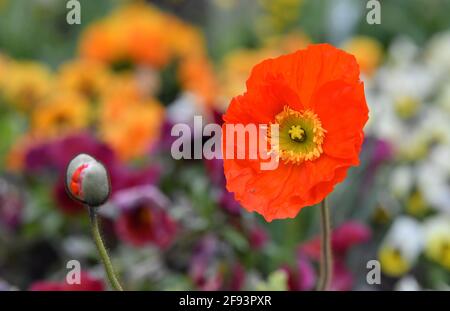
[(299, 137), (296, 133)]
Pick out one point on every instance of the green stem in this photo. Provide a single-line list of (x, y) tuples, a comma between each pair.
[(113, 280), (326, 255)]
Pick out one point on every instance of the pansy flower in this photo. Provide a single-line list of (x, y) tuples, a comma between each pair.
[(143, 217), (316, 100)]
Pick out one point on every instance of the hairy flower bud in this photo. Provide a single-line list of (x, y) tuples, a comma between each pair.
[(87, 180)]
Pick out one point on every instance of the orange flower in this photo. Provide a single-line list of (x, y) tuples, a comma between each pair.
[(316, 98), (59, 114), (142, 123), (122, 118), (85, 77), (196, 75), (99, 42), (143, 39)]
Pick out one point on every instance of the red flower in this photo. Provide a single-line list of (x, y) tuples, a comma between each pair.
[(317, 100), (88, 283), (143, 217)]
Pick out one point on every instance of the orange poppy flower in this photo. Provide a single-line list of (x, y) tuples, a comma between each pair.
[(317, 100)]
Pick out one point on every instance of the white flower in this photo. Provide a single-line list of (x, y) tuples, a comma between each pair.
[(407, 283), (401, 181), (403, 51), (437, 239), (437, 52), (406, 235), (433, 179), (401, 246), (443, 99)]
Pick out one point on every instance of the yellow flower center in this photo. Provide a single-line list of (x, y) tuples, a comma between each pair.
[(392, 262), (406, 107), (438, 249), (416, 205), (299, 138), (296, 133)]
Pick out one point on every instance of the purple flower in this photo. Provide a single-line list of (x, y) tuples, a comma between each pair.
[(143, 217), (302, 276), (229, 204), (11, 205), (258, 237), (210, 268), (56, 154), (214, 168), (203, 267), (382, 151)]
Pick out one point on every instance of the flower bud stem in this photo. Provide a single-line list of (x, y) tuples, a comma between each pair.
[(326, 255), (114, 281)]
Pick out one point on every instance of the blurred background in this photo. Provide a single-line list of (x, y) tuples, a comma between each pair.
[(113, 86)]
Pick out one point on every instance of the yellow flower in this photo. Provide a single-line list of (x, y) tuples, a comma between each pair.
[(26, 84), (85, 77), (60, 113), (381, 215), (281, 14), (417, 205), (398, 254), (437, 240), (3, 69), (392, 262), (406, 107), (368, 53)]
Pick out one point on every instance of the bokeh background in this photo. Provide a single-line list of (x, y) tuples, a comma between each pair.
[(114, 85)]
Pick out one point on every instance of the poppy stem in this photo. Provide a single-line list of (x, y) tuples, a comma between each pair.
[(112, 277), (326, 256)]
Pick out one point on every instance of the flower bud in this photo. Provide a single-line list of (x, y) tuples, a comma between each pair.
[(87, 180)]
